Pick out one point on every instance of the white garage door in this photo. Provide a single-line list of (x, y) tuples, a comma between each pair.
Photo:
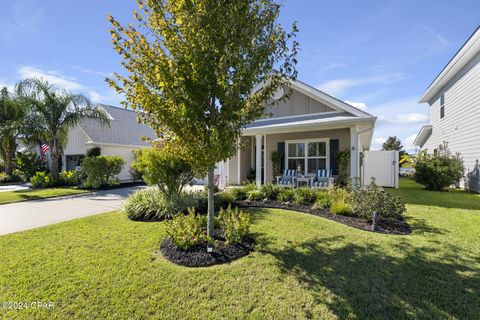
[(383, 166)]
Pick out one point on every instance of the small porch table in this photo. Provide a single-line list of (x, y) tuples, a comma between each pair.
[(306, 180)]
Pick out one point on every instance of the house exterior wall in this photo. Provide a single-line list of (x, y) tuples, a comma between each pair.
[(460, 126), (297, 104), (77, 140), (343, 136), (125, 152)]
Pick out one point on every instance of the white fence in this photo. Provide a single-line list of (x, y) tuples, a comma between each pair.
[(381, 165)]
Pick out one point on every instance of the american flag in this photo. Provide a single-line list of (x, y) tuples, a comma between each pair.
[(44, 148)]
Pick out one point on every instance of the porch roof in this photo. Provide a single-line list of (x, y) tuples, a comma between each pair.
[(306, 122)]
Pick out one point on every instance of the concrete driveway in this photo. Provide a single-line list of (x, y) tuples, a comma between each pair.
[(27, 215)]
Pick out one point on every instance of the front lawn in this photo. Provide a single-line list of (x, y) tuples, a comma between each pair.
[(107, 266), (24, 195)]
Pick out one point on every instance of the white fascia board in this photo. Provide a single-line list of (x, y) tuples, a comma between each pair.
[(308, 126)]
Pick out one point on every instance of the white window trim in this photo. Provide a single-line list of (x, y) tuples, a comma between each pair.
[(306, 157)]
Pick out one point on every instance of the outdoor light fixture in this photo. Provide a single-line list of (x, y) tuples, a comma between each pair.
[(209, 249)]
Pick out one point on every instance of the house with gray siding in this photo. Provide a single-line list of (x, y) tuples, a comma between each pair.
[(454, 106), (307, 129)]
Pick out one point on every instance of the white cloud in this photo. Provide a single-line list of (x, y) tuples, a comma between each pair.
[(4, 83), (68, 83), (339, 86), (96, 72), (22, 17), (405, 118), (436, 35), (402, 118), (359, 105)]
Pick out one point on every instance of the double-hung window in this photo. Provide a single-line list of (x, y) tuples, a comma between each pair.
[(307, 157)]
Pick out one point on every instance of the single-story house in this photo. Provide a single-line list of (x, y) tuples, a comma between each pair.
[(121, 138), (454, 99), (307, 129)]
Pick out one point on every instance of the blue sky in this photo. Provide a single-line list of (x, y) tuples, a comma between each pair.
[(377, 55)]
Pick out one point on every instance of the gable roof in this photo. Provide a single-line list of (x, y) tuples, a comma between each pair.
[(464, 55), (322, 97), (124, 128)]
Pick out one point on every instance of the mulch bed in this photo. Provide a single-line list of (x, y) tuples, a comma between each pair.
[(198, 256), (387, 226)]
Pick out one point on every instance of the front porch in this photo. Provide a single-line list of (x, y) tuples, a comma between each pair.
[(306, 151)]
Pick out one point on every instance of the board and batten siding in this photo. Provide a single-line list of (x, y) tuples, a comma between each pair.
[(77, 140), (460, 127), (297, 104)]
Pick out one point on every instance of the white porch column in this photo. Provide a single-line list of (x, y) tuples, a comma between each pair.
[(265, 159), (252, 154), (354, 152), (239, 153), (64, 163), (258, 159)]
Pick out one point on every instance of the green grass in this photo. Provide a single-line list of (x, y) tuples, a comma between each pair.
[(304, 267), (24, 195)]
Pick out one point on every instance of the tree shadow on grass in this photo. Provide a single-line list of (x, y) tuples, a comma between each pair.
[(421, 226), (419, 283)]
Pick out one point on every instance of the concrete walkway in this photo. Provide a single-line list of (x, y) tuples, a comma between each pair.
[(14, 187), (27, 215)]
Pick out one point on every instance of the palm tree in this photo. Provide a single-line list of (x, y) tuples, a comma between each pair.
[(53, 112), (12, 116)]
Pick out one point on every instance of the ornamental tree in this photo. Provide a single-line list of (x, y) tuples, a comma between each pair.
[(198, 71)]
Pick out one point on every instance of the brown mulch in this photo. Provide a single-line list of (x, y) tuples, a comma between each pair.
[(198, 256), (386, 226)]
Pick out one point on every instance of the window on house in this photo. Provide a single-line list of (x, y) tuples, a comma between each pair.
[(442, 106), (307, 157)]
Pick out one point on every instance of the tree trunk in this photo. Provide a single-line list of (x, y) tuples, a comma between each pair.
[(211, 207), (11, 148), (55, 156)]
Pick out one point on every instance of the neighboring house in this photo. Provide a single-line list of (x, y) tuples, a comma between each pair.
[(307, 129), (121, 138), (454, 100)]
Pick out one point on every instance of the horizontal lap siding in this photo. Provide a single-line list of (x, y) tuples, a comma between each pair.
[(461, 125)]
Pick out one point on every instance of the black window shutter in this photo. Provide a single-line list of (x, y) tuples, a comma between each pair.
[(333, 156), (281, 150)]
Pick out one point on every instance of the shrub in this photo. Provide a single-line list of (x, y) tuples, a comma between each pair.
[(366, 201), (4, 177), (238, 193), (41, 180), (304, 196), (235, 224), (276, 159), (251, 175), (438, 171), (164, 168), (68, 178), (101, 171), (285, 195), (269, 191), (215, 188), (341, 208), (343, 162), (322, 201), (222, 200), (254, 195), (186, 231), (28, 164), (151, 205), (94, 152), (337, 194)]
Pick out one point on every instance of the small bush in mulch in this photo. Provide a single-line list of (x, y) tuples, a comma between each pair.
[(197, 256)]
